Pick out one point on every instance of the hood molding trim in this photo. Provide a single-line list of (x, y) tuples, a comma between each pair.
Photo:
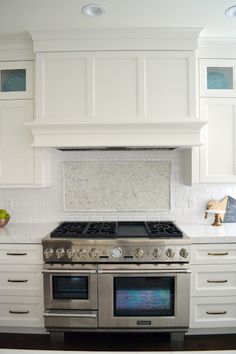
[(116, 39), (151, 134)]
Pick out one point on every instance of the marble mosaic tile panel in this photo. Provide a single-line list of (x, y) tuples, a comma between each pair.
[(117, 185)]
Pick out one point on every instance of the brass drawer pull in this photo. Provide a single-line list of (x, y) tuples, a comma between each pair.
[(17, 280), (16, 254), (218, 253), (19, 312), (217, 281), (216, 312)]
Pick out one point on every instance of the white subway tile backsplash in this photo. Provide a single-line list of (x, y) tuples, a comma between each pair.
[(46, 205)]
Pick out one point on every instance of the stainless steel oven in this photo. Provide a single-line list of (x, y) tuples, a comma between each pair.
[(143, 296), (116, 276)]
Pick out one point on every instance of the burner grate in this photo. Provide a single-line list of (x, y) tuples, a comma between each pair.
[(69, 229), (85, 229), (102, 229), (165, 229)]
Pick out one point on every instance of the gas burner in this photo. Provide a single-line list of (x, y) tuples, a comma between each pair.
[(102, 229), (85, 230), (165, 229), (69, 229)]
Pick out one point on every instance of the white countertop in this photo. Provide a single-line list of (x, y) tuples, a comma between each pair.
[(206, 233), (25, 233), (19, 351)]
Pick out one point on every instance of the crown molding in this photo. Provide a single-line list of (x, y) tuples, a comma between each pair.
[(116, 39), (216, 47), (17, 49)]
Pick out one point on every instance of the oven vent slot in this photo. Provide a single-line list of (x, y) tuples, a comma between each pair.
[(118, 148)]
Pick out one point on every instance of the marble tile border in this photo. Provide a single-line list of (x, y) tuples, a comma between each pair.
[(127, 194)]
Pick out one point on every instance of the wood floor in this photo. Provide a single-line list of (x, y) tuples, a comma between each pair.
[(119, 342)]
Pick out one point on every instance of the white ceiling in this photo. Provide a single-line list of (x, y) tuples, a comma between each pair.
[(18, 16)]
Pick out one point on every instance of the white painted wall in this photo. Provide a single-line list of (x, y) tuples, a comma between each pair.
[(46, 205)]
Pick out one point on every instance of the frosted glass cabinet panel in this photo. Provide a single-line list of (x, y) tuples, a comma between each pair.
[(217, 78), (16, 80)]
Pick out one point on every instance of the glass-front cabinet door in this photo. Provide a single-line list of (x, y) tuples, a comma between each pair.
[(217, 78), (16, 80)]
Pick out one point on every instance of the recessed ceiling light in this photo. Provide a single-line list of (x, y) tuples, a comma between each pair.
[(231, 11), (93, 10)]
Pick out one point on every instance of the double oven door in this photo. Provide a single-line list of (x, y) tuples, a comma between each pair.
[(116, 296), (143, 296)]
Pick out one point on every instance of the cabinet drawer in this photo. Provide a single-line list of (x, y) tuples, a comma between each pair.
[(21, 312), (213, 280), (21, 254), (21, 280), (213, 253), (212, 312)]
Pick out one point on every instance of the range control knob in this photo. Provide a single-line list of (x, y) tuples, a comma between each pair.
[(116, 252), (139, 253), (183, 253), (170, 253), (60, 252), (48, 253), (156, 253), (70, 253), (93, 253), (81, 253)]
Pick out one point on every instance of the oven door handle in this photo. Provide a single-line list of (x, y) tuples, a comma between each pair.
[(67, 271), (78, 315), (143, 271)]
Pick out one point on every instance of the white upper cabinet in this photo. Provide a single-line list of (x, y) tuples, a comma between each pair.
[(218, 152), (16, 80), (125, 86), (20, 164), (218, 78)]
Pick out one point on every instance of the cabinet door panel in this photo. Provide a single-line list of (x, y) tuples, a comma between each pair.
[(217, 155), (61, 87), (16, 155), (167, 78), (115, 82)]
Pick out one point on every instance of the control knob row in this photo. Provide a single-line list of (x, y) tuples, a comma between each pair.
[(70, 253), (170, 253)]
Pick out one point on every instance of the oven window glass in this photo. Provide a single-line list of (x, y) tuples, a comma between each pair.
[(144, 296), (70, 287)]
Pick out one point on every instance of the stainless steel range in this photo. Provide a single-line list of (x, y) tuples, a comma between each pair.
[(107, 276)]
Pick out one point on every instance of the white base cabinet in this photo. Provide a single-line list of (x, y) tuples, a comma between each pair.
[(20, 164), (21, 288), (213, 289)]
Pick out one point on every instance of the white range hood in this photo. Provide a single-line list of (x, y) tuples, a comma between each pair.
[(159, 134), (129, 88)]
